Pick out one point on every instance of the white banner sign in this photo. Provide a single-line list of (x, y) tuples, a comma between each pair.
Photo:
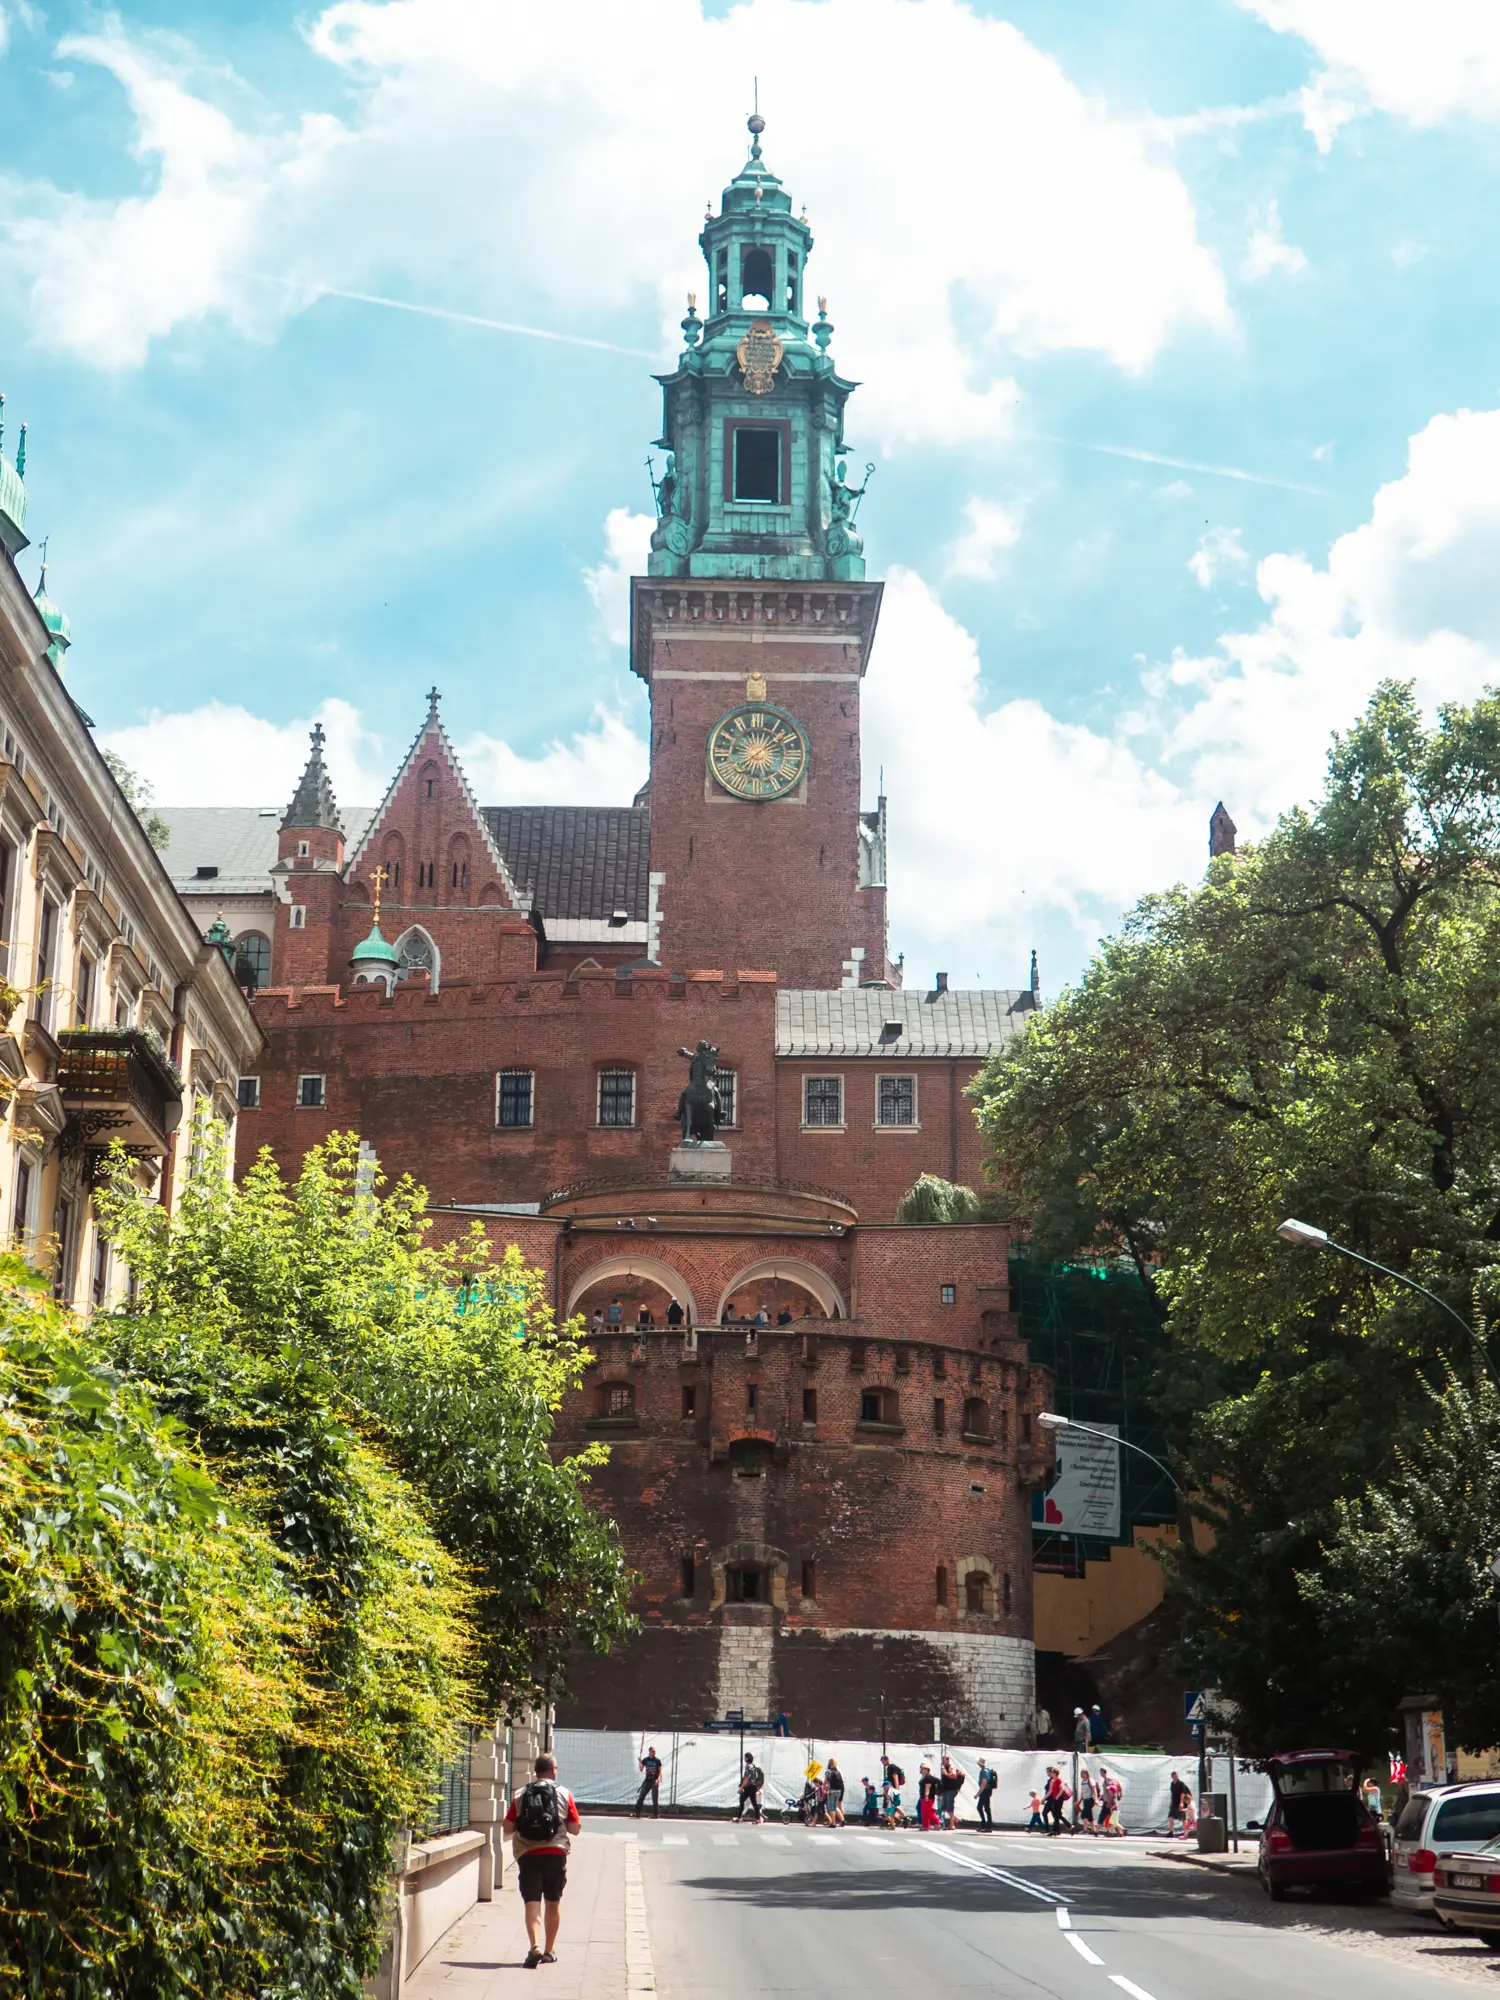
[(1086, 1498)]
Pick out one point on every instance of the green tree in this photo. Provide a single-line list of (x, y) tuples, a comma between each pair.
[(220, 1693), (1310, 1031), (445, 1355), (140, 797), (933, 1199)]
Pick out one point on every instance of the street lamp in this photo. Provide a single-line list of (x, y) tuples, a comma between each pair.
[(1050, 1420), (1307, 1236)]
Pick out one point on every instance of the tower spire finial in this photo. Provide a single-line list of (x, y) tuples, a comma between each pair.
[(313, 802), (432, 704), (756, 123)]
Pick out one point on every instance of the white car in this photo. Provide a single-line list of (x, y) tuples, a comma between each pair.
[(1454, 1818)]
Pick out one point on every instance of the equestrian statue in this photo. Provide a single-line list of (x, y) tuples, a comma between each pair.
[(699, 1107)]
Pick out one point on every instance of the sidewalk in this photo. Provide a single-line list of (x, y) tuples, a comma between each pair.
[(481, 1958)]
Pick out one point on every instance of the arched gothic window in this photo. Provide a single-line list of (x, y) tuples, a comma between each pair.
[(417, 953), (252, 960)]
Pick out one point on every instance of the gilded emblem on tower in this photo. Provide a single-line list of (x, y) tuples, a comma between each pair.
[(757, 752), (759, 355)]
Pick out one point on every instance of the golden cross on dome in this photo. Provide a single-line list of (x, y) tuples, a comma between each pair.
[(379, 876)]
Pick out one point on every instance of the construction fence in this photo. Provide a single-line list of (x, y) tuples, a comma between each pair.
[(701, 1773)]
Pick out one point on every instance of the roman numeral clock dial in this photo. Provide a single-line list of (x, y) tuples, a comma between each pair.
[(757, 752)]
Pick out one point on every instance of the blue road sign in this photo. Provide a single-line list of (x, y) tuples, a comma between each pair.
[(1192, 1705)]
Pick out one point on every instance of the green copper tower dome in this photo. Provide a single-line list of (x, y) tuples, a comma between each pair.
[(753, 414), (53, 617)]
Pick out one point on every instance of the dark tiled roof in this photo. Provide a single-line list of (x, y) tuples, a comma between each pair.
[(581, 861)]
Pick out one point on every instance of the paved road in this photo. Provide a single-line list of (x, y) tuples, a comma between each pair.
[(739, 1912)]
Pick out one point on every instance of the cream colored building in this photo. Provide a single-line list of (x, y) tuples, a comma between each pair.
[(127, 1019)]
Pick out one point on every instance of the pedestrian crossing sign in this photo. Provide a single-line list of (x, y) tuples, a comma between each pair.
[(1192, 1705)]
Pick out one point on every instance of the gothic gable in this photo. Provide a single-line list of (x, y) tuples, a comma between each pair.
[(429, 836)]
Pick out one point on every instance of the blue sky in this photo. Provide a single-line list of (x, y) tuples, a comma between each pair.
[(1078, 256)]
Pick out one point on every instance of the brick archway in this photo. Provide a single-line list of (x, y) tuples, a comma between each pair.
[(797, 1272), (660, 1273)]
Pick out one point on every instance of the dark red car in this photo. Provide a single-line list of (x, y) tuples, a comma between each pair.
[(1318, 1833)]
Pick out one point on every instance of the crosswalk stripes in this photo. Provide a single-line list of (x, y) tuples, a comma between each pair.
[(674, 1840), (725, 1839)]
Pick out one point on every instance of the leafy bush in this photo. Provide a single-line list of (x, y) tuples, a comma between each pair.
[(936, 1200)]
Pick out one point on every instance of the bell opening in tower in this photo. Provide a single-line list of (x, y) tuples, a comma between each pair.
[(758, 280), (757, 464)]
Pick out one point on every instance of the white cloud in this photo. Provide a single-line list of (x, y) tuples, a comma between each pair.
[(1218, 550), (1422, 62), (627, 542), (992, 529), (478, 139), (1009, 822), (1268, 250), (184, 757)]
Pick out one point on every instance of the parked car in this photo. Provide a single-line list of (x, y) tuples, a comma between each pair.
[(1319, 1832), (1451, 1818), (1466, 1891)]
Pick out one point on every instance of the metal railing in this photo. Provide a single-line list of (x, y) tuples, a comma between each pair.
[(450, 1810)]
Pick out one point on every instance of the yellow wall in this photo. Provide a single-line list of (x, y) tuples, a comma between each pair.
[(1077, 1614)]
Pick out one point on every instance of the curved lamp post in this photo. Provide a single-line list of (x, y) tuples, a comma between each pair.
[(1051, 1421), (1307, 1236)]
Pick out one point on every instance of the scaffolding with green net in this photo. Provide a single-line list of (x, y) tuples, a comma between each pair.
[(1092, 1325)]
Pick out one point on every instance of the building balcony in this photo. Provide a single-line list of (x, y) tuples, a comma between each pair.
[(116, 1084)]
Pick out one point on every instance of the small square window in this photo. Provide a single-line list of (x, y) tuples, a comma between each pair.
[(809, 1406), (689, 1400), (513, 1094), (297, 917), (896, 1101), (617, 1097), (939, 1416), (870, 1411), (687, 1577), (621, 1400), (823, 1100), (809, 1579), (249, 1093), (303, 850), (310, 1093), (948, 1295)]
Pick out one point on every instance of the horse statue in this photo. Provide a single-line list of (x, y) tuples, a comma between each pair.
[(699, 1107)]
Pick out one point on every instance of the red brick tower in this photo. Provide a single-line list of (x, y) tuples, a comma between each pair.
[(308, 878), (753, 629)]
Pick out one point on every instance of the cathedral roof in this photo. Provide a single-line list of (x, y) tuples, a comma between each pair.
[(877, 1021), (313, 802), (583, 863)]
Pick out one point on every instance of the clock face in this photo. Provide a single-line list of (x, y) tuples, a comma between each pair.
[(757, 752)]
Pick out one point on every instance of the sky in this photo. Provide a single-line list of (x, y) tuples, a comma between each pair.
[(1176, 324)]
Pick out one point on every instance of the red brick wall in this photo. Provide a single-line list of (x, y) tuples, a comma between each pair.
[(874, 1510), (766, 883), (880, 1161)]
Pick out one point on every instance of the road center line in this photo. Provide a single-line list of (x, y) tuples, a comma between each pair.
[(1089, 1957), (1129, 1986)]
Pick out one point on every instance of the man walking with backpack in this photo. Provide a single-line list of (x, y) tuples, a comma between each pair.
[(752, 1777), (542, 1821)]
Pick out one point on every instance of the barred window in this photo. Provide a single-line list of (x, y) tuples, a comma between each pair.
[(728, 1109), (513, 1097), (823, 1100), (896, 1103), (617, 1097)]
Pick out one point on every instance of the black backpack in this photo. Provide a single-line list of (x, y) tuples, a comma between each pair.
[(539, 1813), (755, 1777)]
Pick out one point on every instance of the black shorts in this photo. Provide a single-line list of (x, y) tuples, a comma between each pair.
[(542, 1877)]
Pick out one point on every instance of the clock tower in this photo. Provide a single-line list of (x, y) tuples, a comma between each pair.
[(754, 624)]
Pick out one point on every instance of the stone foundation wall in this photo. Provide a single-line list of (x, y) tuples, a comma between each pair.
[(981, 1687)]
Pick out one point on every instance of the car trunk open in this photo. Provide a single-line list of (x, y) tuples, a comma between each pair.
[(1323, 1822), (1318, 1792)]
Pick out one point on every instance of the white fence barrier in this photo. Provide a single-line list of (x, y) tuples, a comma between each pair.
[(702, 1770)]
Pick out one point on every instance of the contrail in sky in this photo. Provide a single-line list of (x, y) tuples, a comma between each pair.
[(1181, 464), (460, 318)]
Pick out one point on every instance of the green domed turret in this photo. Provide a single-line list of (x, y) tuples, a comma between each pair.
[(54, 618), (376, 953)]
